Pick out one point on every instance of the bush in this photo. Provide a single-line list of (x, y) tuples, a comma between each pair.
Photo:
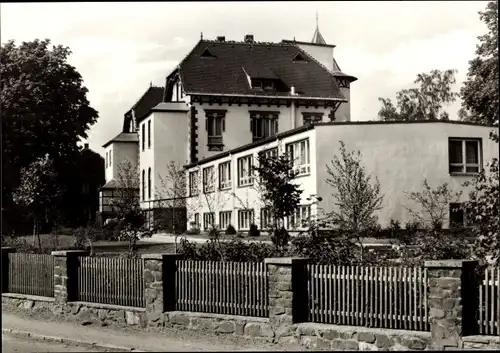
[(254, 231), (280, 237), (193, 231), (230, 230)]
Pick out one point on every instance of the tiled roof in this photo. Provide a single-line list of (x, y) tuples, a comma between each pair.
[(150, 99), (123, 137), (112, 184), (225, 74)]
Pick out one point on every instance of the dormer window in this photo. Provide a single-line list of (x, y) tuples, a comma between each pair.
[(207, 54), (299, 58), (264, 84)]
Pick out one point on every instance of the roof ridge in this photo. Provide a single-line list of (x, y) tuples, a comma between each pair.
[(246, 43)]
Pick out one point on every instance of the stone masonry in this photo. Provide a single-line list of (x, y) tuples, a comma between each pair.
[(446, 299)]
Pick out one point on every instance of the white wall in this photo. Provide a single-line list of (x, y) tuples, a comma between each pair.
[(120, 152), (321, 53), (238, 131), (401, 156), (247, 197)]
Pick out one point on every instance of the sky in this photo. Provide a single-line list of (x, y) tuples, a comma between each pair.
[(120, 48)]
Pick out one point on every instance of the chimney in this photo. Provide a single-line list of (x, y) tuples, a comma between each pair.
[(221, 39), (292, 91), (248, 38), (86, 146)]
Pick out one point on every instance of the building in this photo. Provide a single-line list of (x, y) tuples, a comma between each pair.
[(401, 155), (222, 95)]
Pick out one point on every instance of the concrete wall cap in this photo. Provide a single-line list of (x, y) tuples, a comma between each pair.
[(168, 256), (449, 263), (8, 249), (285, 260), (69, 252)]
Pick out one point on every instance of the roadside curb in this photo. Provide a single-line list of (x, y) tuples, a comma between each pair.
[(38, 337)]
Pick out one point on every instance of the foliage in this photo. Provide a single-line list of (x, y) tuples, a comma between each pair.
[(433, 244), (193, 231), (355, 198), (480, 97), (483, 210), (279, 193), (254, 231), (44, 109), (230, 230), (433, 203), (423, 103), (38, 191), (125, 201), (233, 250)]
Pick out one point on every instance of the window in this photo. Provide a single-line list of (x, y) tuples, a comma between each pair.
[(310, 118), (197, 220), (263, 124), (301, 217), (464, 155), (149, 133), (193, 183), (143, 136), (270, 153), (224, 219), (208, 180), (215, 126), (110, 154), (298, 153), (245, 218), (225, 175), (245, 171), (208, 220), (149, 183), (143, 185), (266, 218), (107, 159), (457, 216)]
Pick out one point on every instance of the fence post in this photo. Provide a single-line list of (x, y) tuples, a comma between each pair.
[(287, 292), (5, 267), (159, 285), (66, 275), (452, 301)]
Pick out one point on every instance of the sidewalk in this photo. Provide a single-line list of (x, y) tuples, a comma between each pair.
[(133, 339)]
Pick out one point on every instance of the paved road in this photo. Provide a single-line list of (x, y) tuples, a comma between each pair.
[(12, 344)]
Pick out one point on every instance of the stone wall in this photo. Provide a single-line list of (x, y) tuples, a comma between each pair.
[(482, 342)]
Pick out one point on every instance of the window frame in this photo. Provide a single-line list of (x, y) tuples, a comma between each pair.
[(143, 135), (194, 183), (205, 218), (149, 183), (225, 184), (208, 188), (214, 138), (149, 133), (299, 169), (269, 121), (251, 218), (312, 117), (222, 215), (197, 220), (266, 218), (458, 205), (293, 220), (464, 165), (144, 185), (248, 180)]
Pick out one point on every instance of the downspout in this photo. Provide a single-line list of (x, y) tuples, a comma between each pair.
[(292, 92)]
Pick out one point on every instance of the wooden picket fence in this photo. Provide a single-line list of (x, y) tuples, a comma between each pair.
[(31, 274), (111, 280), (231, 288), (489, 302), (381, 297)]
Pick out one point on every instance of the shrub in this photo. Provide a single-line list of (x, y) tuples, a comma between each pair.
[(254, 231), (193, 231), (280, 237), (230, 230)]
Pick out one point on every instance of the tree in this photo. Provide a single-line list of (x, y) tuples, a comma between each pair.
[(423, 103), (38, 192), (483, 210), (172, 195), (130, 216), (44, 109), (356, 199), (280, 194), (433, 204), (480, 91)]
